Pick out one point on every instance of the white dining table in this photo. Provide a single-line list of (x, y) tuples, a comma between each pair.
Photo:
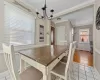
[(43, 58)]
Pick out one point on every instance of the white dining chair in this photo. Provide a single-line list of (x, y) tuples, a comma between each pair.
[(64, 59), (62, 70), (29, 74)]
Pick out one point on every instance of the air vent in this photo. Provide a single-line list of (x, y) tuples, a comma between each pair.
[(98, 19)]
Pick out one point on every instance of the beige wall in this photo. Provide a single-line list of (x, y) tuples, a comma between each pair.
[(46, 24), (64, 32), (96, 39), (2, 62), (1, 21), (83, 46)]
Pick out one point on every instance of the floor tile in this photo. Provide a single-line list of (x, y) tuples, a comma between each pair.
[(82, 71), (90, 74), (89, 78), (82, 76), (88, 69), (76, 73), (96, 77), (75, 77)]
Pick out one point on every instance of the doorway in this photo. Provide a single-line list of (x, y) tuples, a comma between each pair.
[(52, 36)]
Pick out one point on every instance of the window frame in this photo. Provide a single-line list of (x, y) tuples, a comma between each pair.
[(80, 30), (26, 13)]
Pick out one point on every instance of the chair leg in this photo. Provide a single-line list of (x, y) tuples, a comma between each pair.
[(53, 77), (22, 66), (60, 79)]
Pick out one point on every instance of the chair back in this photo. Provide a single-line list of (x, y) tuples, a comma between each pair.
[(69, 63), (10, 60)]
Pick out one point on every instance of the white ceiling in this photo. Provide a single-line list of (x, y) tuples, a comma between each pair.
[(81, 17), (57, 5)]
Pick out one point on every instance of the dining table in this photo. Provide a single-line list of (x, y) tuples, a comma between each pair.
[(43, 58)]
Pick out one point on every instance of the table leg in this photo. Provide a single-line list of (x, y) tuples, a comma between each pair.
[(49, 76), (45, 77), (22, 65)]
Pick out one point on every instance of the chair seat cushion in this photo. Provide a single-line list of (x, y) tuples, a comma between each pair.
[(59, 69), (31, 74), (64, 59)]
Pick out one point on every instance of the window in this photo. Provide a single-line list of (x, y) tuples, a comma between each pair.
[(84, 35), (19, 26)]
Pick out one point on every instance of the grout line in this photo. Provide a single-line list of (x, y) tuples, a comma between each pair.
[(85, 72), (93, 75), (78, 71)]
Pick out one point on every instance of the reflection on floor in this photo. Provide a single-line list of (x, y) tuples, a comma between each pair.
[(83, 57), (80, 72)]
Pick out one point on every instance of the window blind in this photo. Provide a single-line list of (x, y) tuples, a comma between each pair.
[(19, 26)]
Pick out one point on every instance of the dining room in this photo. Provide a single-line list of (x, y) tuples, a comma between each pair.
[(38, 40)]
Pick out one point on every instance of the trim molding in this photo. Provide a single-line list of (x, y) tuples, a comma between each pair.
[(96, 50), (75, 8)]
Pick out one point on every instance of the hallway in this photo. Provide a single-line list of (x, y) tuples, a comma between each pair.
[(83, 57)]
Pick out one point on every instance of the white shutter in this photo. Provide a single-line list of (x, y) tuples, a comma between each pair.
[(19, 26)]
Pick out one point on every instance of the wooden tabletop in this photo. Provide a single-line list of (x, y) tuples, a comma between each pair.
[(44, 55)]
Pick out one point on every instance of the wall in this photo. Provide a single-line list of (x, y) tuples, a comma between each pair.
[(83, 46), (46, 24), (96, 39), (1, 22), (2, 63), (64, 32)]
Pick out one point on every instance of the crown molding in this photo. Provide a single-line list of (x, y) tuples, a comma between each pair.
[(21, 5), (75, 8)]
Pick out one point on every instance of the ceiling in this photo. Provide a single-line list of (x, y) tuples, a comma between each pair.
[(57, 5), (81, 17)]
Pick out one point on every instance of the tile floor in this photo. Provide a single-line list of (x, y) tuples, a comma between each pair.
[(84, 72), (80, 72)]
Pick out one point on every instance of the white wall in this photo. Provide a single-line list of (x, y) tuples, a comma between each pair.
[(83, 46), (2, 63), (63, 32), (1, 22), (38, 22), (60, 34), (96, 39), (46, 24)]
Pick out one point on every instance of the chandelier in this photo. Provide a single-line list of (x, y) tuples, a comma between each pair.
[(45, 16)]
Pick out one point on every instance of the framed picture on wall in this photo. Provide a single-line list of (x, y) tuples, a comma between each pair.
[(41, 33), (98, 19)]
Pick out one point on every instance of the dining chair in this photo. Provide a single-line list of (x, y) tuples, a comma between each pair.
[(29, 74), (62, 70), (64, 59)]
